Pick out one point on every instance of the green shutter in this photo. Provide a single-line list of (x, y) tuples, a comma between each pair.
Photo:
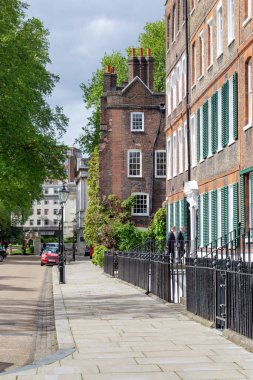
[(235, 206), (198, 122), (199, 222), (205, 220), (235, 213), (171, 215), (225, 113), (214, 112), (214, 216), (177, 215), (167, 220), (235, 105), (224, 214), (251, 199), (205, 129), (184, 219), (242, 200)]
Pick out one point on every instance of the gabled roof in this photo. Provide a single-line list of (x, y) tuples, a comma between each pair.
[(135, 80)]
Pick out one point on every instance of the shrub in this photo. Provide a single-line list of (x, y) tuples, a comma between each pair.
[(98, 255)]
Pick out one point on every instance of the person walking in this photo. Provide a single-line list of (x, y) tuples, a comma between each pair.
[(180, 243), (171, 244)]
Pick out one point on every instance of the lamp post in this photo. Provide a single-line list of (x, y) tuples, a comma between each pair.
[(74, 240), (63, 196)]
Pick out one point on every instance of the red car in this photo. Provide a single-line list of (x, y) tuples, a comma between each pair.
[(50, 256)]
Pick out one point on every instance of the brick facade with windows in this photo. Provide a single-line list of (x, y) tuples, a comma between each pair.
[(220, 92), (133, 139)]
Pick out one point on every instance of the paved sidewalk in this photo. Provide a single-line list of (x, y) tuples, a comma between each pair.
[(119, 333)]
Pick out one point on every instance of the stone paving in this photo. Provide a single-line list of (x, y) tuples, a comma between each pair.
[(119, 333)]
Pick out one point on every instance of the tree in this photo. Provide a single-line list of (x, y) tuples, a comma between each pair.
[(152, 37), (30, 128)]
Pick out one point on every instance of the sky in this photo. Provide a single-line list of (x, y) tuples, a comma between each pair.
[(81, 31)]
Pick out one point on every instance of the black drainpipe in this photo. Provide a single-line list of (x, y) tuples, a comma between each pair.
[(187, 106)]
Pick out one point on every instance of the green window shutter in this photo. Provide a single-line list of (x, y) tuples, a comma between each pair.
[(224, 214), (167, 220), (205, 129), (177, 215), (251, 199), (214, 216), (198, 137), (171, 215), (214, 103), (205, 219), (184, 215), (225, 113), (242, 201), (199, 222), (235, 206), (235, 105)]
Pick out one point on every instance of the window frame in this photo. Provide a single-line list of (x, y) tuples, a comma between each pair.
[(231, 21), (193, 141), (142, 121), (156, 153), (148, 205), (248, 93), (180, 150), (201, 54), (210, 42), (169, 157), (219, 33), (175, 171), (185, 146), (128, 166)]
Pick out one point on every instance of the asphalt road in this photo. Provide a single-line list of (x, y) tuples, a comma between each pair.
[(27, 330)]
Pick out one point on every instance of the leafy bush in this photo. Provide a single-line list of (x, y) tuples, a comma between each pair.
[(98, 255)]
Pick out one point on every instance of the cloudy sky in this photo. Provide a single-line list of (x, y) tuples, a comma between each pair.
[(81, 31)]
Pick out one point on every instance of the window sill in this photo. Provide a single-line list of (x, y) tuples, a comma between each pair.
[(193, 86), (245, 22), (140, 214), (210, 155), (202, 160), (160, 176), (139, 130), (210, 67), (231, 42), (201, 77), (134, 176), (194, 166), (219, 55), (220, 150), (248, 126), (231, 142)]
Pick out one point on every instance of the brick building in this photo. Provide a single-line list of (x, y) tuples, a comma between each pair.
[(217, 180), (132, 155)]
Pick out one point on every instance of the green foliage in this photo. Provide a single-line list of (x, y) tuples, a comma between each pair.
[(157, 227), (94, 217), (127, 236), (98, 255), (29, 149), (152, 37)]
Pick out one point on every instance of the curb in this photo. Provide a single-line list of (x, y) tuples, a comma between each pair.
[(66, 344)]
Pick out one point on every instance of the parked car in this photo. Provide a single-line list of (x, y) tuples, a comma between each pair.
[(49, 256), (87, 250), (3, 253)]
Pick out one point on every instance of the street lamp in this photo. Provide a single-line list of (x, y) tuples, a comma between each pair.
[(74, 240), (63, 196)]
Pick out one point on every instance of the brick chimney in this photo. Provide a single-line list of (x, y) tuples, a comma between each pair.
[(110, 79), (133, 66), (150, 70), (142, 67)]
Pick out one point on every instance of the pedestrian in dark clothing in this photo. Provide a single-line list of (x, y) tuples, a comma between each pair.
[(180, 243), (171, 243)]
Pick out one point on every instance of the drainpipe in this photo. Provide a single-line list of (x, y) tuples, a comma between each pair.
[(187, 107)]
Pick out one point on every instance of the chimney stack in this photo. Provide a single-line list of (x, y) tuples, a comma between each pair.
[(142, 67), (110, 79)]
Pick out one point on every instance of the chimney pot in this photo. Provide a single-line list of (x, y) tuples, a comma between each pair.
[(108, 69), (148, 52), (133, 52), (113, 70), (141, 52)]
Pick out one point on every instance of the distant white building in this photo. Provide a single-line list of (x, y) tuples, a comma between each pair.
[(44, 218)]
